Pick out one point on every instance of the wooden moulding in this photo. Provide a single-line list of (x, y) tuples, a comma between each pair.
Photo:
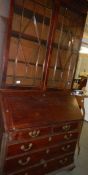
[(7, 45), (54, 20), (80, 6)]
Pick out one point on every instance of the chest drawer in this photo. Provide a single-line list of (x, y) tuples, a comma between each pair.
[(24, 161), (35, 170), (67, 127), (58, 163), (29, 133), (46, 166), (60, 149), (26, 147), (37, 157)]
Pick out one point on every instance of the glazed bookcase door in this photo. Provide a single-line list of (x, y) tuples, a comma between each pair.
[(30, 29), (65, 49)]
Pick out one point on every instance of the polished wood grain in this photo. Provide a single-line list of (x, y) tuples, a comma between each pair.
[(30, 133), (7, 46), (27, 160), (39, 129), (46, 167), (33, 145), (40, 126), (38, 170), (39, 109), (43, 131), (67, 127)]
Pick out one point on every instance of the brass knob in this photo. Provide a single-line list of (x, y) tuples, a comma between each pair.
[(26, 149), (65, 148), (45, 165), (23, 163), (34, 133), (47, 151), (66, 127), (63, 161), (67, 137), (50, 138)]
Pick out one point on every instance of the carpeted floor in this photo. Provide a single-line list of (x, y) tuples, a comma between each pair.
[(81, 161)]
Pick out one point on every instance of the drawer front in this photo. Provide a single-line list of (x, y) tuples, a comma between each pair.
[(37, 157), (53, 152), (47, 167), (64, 137), (58, 163), (67, 127), (34, 145), (22, 162), (29, 134), (37, 170)]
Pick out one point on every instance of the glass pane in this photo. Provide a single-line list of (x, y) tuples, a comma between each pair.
[(28, 42), (65, 49)]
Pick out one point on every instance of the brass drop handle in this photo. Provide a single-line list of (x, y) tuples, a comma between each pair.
[(26, 149), (65, 148), (63, 161), (50, 139), (66, 127), (47, 151), (45, 165), (34, 133), (24, 163), (67, 137)]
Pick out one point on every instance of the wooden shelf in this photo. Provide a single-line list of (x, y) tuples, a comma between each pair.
[(29, 14), (24, 77), (32, 78), (32, 64), (27, 37), (17, 35)]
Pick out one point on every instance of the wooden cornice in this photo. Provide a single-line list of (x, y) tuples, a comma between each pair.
[(80, 6)]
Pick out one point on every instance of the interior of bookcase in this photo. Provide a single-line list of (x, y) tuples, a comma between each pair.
[(28, 45)]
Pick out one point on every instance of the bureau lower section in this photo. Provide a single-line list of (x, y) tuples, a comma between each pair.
[(46, 166), (39, 150), (39, 131), (62, 154)]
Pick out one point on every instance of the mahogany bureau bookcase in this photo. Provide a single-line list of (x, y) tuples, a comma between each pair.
[(39, 131), (40, 122)]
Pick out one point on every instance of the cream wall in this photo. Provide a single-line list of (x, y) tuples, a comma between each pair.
[(85, 35), (83, 58), (82, 65)]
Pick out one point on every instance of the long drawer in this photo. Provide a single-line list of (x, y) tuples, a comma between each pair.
[(37, 157), (25, 147), (46, 166), (33, 133)]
